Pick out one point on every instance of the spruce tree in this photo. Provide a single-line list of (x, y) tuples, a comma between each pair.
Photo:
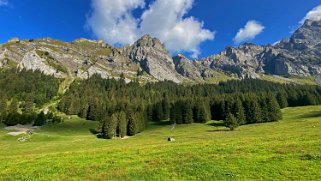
[(122, 124), (166, 108), (201, 113), (238, 111), (231, 122), (111, 125), (187, 112), (273, 109), (281, 98), (252, 110), (132, 124)]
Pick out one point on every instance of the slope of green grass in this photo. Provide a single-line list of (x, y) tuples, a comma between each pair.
[(285, 150)]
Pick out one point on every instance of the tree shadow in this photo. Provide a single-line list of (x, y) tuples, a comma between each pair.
[(93, 131), (217, 124), (218, 130), (313, 114), (162, 123), (98, 134)]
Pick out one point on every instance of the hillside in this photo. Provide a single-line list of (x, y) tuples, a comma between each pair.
[(285, 150), (148, 60)]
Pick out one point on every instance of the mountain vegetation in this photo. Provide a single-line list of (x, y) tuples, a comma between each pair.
[(22, 93), (125, 109)]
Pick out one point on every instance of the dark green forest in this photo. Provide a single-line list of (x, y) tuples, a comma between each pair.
[(125, 109), (22, 92)]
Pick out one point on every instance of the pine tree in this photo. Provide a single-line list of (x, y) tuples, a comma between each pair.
[(187, 112), (158, 112), (111, 125), (281, 98), (252, 110), (166, 108), (201, 113), (273, 109), (238, 111), (264, 110), (308, 99), (231, 122), (122, 124), (132, 124)]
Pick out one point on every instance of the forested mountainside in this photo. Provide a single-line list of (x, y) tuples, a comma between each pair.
[(125, 109), (149, 61), (32, 97), (125, 88)]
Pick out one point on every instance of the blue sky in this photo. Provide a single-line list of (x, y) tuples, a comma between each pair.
[(199, 27)]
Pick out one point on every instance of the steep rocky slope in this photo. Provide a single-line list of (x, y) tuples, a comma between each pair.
[(298, 56), (148, 59)]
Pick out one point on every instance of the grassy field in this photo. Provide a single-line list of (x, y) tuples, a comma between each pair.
[(285, 150)]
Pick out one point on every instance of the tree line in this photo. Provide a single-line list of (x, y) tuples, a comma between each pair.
[(125, 109)]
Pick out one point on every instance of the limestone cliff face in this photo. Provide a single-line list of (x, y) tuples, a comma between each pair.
[(148, 59), (153, 58), (32, 61), (300, 55), (81, 58)]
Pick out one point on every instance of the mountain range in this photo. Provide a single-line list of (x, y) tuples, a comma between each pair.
[(148, 59)]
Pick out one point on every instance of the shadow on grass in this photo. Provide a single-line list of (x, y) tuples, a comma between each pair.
[(218, 130), (313, 114), (162, 123), (217, 124), (98, 134), (93, 131)]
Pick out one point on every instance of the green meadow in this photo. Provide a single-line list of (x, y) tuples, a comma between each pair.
[(286, 150)]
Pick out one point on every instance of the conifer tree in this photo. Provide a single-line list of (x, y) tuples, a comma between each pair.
[(252, 110), (231, 122), (238, 111), (166, 108), (201, 113), (122, 124), (111, 125), (281, 98), (187, 112), (273, 109), (132, 124)]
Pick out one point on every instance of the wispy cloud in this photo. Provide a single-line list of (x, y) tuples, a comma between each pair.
[(314, 14), (113, 21), (4, 2), (249, 32)]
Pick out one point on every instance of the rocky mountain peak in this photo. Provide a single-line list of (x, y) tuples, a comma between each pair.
[(152, 56), (307, 36), (300, 55), (151, 42)]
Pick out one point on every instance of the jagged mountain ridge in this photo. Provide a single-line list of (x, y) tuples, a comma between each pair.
[(299, 56), (149, 60)]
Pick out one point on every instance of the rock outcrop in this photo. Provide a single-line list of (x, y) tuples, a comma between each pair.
[(299, 56), (153, 58), (148, 59)]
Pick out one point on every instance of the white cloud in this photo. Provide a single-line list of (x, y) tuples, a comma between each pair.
[(249, 32), (314, 14), (113, 21), (163, 19), (4, 2)]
